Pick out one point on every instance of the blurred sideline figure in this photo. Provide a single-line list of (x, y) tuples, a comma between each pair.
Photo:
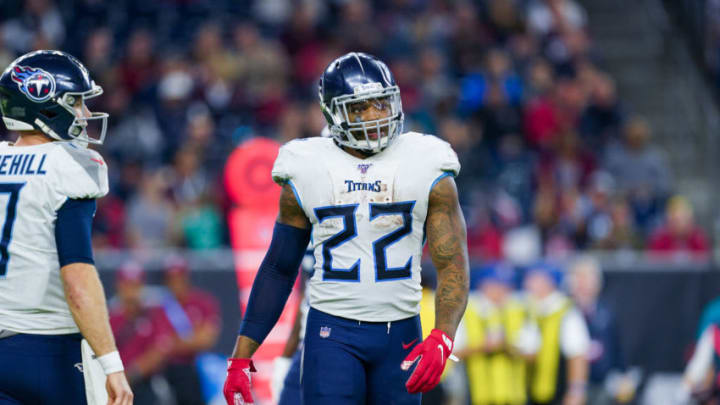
[(496, 325), (194, 317), (559, 373), (363, 341), (700, 380), (53, 313), (144, 337), (609, 380)]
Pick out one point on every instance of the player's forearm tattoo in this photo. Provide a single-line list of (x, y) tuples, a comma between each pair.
[(290, 211), (448, 247)]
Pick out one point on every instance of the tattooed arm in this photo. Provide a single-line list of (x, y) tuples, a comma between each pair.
[(447, 240), (269, 294)]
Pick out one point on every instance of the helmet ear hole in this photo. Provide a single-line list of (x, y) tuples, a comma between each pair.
[(48, 114)]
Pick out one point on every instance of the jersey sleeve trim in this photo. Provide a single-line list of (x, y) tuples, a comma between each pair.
[(442, 176), (297, 196)]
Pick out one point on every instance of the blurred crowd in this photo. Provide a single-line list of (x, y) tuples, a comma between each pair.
[(514, 86)]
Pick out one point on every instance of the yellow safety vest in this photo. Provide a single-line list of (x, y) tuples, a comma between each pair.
[(498, 378), (546, 368)]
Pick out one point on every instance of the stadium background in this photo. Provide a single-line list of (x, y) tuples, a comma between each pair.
[(585, 136)]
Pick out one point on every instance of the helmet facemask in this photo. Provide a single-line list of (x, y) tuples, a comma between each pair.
[(83, 129), (371, 136)]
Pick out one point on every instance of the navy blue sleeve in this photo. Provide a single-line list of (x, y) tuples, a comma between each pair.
[(73, 230), (274, 280)]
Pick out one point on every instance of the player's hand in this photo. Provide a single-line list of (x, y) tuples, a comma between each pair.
[(431, 355), (237, 382), (281, 365), (118, 389)]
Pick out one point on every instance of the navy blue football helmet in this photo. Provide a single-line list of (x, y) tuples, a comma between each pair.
[(354, 78), (46, 91)]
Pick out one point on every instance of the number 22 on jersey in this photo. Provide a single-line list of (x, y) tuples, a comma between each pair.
[(379, 247)]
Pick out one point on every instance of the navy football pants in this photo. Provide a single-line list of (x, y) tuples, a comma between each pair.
[(350, 362), (41, 370)]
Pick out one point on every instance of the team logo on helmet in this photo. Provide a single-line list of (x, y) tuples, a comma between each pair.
[(37, 84)]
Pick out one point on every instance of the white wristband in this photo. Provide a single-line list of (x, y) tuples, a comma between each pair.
[(111, 362)]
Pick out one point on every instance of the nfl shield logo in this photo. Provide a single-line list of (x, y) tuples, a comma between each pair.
[(364, 167), (325, 331)]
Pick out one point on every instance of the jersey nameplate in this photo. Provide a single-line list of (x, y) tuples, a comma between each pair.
[(22, 164)]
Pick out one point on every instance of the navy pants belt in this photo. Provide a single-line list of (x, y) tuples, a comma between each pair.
[(349, 362), (41, 370)]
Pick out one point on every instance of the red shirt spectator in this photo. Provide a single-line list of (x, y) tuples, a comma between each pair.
[(142, 334), (679, 237)]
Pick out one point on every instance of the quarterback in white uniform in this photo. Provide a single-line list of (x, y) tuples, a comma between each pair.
[(50, 295), (367, 198)]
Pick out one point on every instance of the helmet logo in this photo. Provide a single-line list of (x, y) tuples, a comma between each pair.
[(37, 84)]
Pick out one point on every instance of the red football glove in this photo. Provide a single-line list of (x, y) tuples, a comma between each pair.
[(431, 355), (237, 382)]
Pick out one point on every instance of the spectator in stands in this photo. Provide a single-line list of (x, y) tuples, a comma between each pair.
[(605, 354), (603, 117), (98, 54), (466, 142), (679, 238), (138, 68), (484, 238), (497, 75), (617, 230), (512, 172), (539, 79), (150, 214), (141, 331), (640, 171), (564, 339), (39, 26), (195, 319), (550, 16), (264, 71), (569, 163)]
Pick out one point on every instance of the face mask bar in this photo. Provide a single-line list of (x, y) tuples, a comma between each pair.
[(345, 130), (80, 129)]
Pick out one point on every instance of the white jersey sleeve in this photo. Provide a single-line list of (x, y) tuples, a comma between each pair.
[(79, 172), (283, 165), (295, 162), (441, 157)]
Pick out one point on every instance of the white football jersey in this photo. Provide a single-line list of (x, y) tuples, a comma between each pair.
[(367, 219), (35, 181)]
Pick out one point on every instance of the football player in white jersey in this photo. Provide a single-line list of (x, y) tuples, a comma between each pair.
[(368, 197), (50, 294)]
